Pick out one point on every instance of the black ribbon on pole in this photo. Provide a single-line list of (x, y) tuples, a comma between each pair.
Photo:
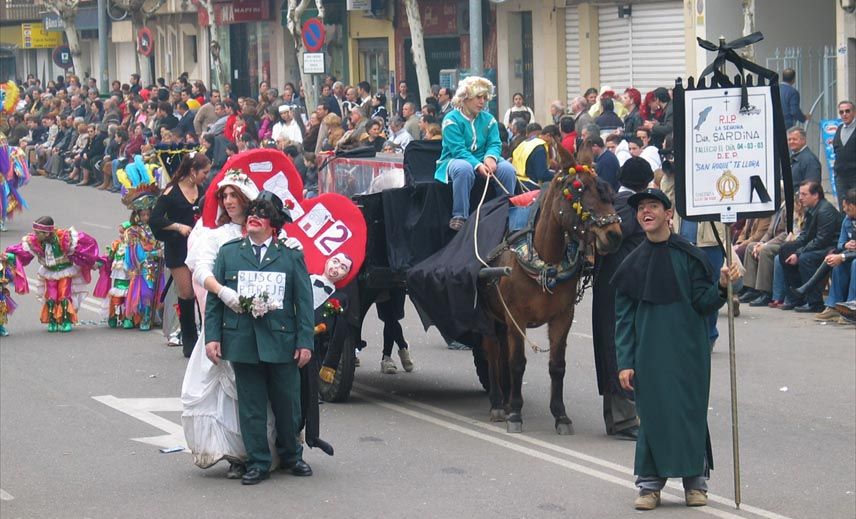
[(726, 53)]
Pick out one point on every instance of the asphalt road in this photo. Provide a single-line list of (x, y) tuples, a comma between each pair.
[(82, 417)]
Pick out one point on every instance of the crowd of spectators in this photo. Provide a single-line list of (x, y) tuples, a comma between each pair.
[(72, 133)]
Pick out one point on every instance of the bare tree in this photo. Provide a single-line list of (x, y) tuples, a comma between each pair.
[(218, 76), (296, 8), (67, 11), (140, 12), (418, 47)]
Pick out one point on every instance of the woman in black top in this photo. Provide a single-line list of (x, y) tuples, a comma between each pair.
[(171, 221)]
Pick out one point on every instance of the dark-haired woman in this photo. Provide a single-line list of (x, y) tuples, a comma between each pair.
[(171, 221)]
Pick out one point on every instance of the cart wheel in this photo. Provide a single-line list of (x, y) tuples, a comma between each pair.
[(340, 389), (482, 369)]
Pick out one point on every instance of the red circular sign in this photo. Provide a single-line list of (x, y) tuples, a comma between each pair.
[(145, 41), (314, 35)]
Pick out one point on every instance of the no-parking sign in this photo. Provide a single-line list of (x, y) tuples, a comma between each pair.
[(314, 35)]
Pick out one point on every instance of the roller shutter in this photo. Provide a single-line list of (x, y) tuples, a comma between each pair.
[(572, 52)]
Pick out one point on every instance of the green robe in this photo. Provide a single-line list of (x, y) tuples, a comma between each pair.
[(667, 345)]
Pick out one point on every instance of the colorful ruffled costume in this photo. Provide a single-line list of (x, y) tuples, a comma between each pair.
[(143, 253), (7, 305), (118, 281), (14, 174), (66, 258)]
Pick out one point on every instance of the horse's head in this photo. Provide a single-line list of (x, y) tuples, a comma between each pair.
[(584, 205)]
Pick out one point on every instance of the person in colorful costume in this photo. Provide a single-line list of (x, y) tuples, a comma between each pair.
[(118, 281), (143, 256), (67, 257), (14, 174), (7, 305)]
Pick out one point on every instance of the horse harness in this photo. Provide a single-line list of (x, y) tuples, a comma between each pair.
[(548, 275)]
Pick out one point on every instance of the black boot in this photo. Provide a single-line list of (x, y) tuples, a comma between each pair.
[(819, 276), (187, 319)]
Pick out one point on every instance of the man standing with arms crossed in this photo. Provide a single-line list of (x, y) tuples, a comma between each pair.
[(267, 350), (664, 293)]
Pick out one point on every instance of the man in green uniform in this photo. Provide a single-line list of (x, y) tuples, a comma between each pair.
[(664, 294), (267, 341)]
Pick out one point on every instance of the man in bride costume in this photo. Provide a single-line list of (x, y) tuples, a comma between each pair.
[(208, 392)]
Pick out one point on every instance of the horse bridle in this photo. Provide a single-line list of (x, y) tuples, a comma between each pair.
[(573, 192)]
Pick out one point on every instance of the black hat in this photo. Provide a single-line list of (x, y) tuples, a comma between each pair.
[(635, 173), (273, 198), (649, 194)]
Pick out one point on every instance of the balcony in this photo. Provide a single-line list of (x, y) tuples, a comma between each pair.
[(20, 11)]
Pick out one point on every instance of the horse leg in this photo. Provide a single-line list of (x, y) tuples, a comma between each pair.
[(516, 368), (491, 348), (558, 334)]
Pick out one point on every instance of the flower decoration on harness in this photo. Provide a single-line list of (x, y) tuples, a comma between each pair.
[(332, 308), (573, 191)]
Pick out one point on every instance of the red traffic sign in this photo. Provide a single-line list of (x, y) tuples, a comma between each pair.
[(145, 41), (62, 57), (314, 35)]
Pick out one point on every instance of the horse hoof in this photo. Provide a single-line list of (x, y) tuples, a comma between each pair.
[(514, 427), (497, 415), (565, 429)]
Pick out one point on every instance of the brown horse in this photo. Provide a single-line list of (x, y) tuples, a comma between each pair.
[(576, 213)]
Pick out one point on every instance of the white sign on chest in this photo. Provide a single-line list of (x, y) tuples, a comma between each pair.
[(254, 283)]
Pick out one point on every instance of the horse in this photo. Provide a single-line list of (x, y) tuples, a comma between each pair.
[(546, 266)]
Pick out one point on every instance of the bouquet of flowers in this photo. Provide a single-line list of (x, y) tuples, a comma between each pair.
[(259, 304), (332, 307)]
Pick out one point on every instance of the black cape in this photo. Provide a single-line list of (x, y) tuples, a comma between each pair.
[(647, 274)]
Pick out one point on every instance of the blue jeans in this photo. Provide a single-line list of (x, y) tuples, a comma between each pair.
[(843, 286), (780, 284), (115, 167), (462, 176), (715, 256)]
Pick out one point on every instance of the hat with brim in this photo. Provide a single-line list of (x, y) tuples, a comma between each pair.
[(239, 180), (635, 173), (284, 108), (649, 194)]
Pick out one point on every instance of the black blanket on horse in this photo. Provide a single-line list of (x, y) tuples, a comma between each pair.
[(444, 287)]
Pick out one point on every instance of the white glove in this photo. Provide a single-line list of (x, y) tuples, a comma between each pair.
[(230, 299), (293, 243)]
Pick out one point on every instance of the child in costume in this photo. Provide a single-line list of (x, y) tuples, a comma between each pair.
[(14, 173), (7, 305), (66, 258), (118, 281), (143, 252)]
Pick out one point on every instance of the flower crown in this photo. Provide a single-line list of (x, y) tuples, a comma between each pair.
[(237, 176)]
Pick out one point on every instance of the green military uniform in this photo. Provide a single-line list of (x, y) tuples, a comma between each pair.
[(262, 349)]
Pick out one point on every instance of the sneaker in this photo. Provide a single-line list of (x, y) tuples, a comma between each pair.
[(457, 223), (829, 314), (695, 497), (406, 360), (647, 500), (762, 300), (174, 339), (387, 366)]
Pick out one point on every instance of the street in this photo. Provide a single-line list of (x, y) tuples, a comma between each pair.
[(83, 417)]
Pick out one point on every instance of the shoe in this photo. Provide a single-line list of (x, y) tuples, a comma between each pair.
[(762, 300), (114, 189), (847, 310), (254, 476), (236, 470), (631, 433), (406, 360), (112, 322), (809, 308), (749, 296), (827, 315), (299, 468), (127, 324), (647, 500), (52, 327), (457, 223), (387, 365), (65, 327), (775, 303), (787, 305), (695, 497), (3, 331)]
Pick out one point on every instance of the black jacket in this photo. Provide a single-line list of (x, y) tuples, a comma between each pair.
[(804, 166), (845, 156), (821, 230)]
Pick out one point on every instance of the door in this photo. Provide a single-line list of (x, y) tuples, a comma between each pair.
[(374, 61), (528, 67), (239, 71)]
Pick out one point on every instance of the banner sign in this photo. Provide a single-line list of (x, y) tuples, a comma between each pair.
[(828, 127)]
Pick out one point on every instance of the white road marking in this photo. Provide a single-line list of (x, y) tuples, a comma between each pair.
[(97, 225), (5, 496), (143, 409), (495, 428)]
